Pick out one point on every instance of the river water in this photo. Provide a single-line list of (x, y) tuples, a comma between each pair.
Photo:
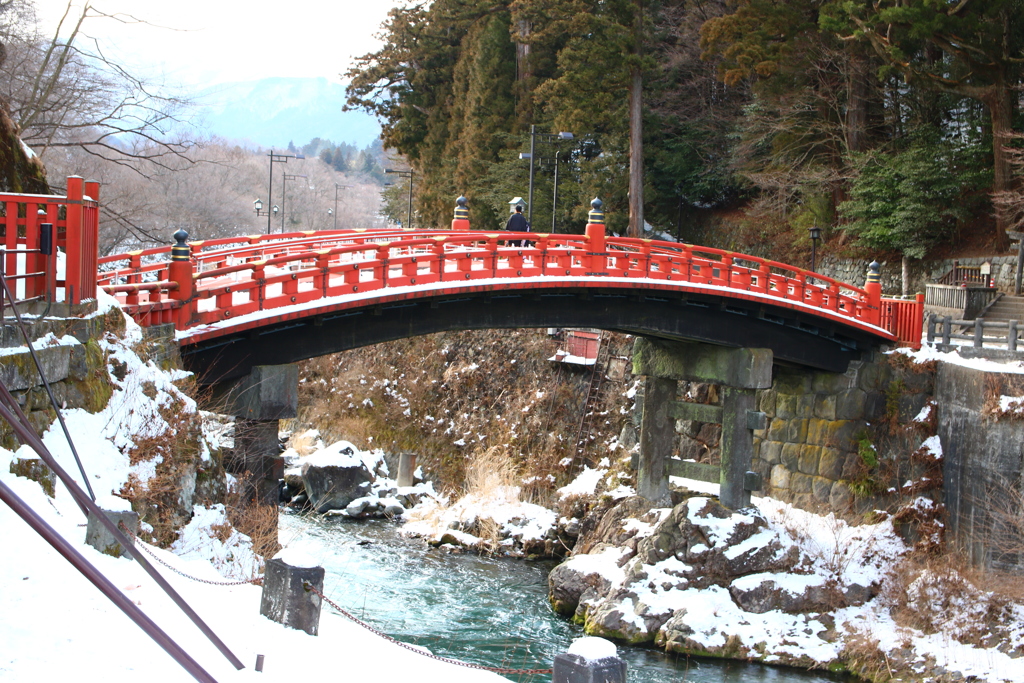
[(485, 610)]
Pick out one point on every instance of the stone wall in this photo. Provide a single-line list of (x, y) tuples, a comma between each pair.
[(983, 465), (826, 431), (833, 442), (77, 372), (854, 271)]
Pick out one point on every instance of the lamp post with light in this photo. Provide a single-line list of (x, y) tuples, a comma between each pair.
[(269, 213), (557, 137), (281, 159), (815, 232), (405, 174), (335, 212)]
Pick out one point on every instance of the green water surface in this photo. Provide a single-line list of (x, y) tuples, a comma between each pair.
[(485, 610)]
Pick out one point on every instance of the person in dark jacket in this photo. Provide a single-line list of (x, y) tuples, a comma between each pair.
[(517, 223)]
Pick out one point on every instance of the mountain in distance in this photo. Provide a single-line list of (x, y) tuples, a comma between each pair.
[(275, 111)]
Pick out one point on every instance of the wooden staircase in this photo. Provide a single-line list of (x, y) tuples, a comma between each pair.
[(1005, 308)]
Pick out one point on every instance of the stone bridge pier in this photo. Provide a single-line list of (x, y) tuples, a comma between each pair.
[(258, 400), (740, 372)]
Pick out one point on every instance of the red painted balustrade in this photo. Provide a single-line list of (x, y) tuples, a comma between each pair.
[(75, 221), (238, 276)]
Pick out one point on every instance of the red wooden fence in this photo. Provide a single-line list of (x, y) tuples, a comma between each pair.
[(75, 218)]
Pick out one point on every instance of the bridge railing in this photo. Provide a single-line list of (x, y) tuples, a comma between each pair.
[(144, 265), (232, 277), (75, 221)]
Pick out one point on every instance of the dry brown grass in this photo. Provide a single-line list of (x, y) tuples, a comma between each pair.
[(865, 658), (158, 500), (250, 517), (483, 388), (944, 593)]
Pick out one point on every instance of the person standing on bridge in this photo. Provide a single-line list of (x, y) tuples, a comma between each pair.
[(517, 223)]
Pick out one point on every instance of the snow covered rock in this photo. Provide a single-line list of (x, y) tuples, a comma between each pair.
[(595, 572), (335, 477), (795, 593), (608, 526), (715, 544)]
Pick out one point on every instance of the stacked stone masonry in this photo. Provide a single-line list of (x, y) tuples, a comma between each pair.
[(809, 454), (817, 424), (854, 271), (77, 372)]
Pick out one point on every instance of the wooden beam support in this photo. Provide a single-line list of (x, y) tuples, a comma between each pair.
[(657, 437), (694, 470), (699, 412), (744, 368)]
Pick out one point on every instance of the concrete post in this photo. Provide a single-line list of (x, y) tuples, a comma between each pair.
[(737, 446), (406, 468), (100, 538), (657, 438), (286, 599), (589, 660)]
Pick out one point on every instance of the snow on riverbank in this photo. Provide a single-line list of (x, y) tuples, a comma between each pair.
[(55, 625)]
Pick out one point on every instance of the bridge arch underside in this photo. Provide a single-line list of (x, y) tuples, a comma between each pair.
[(794, 337)]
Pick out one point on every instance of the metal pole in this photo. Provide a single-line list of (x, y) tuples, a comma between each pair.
[(554, 198), (529, 200), (270, 190), (49, 390), (12, 413), (104, 585), (814, 253), (284, 195), (335, 206), (411, 173), (679, 219), (1020, 268)]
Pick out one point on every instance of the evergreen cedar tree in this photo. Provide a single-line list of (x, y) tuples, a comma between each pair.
[(790, 109)]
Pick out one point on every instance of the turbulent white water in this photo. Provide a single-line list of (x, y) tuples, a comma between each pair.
[(488, 611)]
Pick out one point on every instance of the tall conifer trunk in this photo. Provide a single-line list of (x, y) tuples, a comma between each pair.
[(636, 154), (636, 130)]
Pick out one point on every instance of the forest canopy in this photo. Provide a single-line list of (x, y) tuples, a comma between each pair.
[(890, 124)]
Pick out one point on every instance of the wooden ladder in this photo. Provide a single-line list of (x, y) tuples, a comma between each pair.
[(597, 375)]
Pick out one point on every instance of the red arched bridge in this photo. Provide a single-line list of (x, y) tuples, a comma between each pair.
[(274, 299)]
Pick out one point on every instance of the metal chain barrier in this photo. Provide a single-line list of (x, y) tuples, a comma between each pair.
[(414, 648), (257, 580)]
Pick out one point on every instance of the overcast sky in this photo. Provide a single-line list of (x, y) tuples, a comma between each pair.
[(218, 41)]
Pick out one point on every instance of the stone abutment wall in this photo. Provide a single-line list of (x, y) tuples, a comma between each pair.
[(925, 442)]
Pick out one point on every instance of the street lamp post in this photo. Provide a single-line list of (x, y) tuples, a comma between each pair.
[(815, 236), (557, 137), (284, 192), (335, 212), (269, 213), (281, 159), (405, 174)]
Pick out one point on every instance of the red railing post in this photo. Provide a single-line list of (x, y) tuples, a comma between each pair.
[(438, 249), (598, 257), (461, 220), (34, 263), (73, 241), (180, 271), (873, 287), (90, 238), (918, 317)]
